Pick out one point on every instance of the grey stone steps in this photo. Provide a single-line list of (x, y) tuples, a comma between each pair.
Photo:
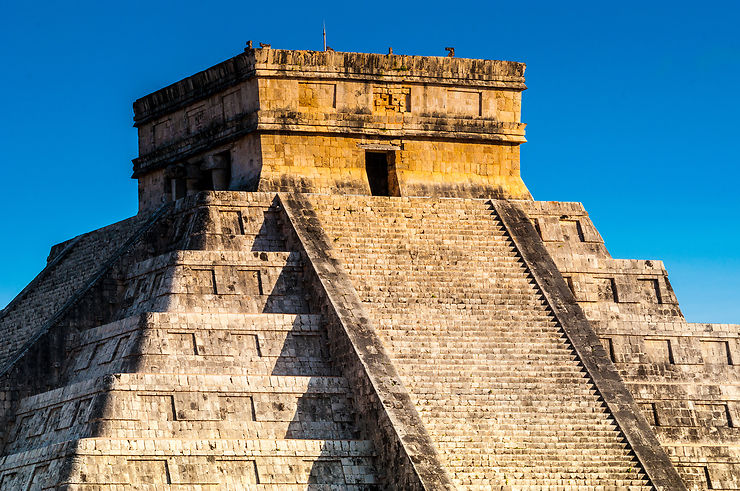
[(235, 365), (509, 393), (508, 408), (543, 451), (231, 429), (563, 485), (466, 276), (462, 331), (228, 304), (564, 436), (484, 351), (491, 353), (564, 476), (524, 459), (506, 428), (529, 379), (510, 416), (551, 466)]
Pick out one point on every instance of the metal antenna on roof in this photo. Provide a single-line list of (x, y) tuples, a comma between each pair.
[(324, 32)]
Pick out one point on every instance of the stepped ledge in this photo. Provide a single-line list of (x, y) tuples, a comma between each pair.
[(337, 279)]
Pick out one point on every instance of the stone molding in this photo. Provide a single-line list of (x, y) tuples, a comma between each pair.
[(200, 142), (325, 65), (479, 130)]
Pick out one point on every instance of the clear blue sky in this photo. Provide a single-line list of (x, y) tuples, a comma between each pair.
[(632, 109)]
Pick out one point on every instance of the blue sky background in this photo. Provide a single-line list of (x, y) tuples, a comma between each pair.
[(632, 109)]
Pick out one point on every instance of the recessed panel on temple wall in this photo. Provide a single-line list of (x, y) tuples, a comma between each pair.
[(380, 98), (337, 164), (246, 163), (460, 169), (312, 163), (278, 94), (151, 190), (317, 96), (192, 119)]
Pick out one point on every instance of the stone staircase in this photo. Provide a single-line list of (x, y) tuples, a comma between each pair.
[(216, 375), (492, 374)]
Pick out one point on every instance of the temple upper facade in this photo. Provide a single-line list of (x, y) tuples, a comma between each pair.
[(338, 123)]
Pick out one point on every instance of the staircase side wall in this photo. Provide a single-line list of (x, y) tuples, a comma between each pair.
[(684, 376), (602, 371), (407, 455)]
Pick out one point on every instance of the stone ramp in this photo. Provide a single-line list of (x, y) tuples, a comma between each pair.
[(491, 372), (70, 266)]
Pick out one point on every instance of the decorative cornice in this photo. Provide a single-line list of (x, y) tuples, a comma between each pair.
[(347, 124), (373, 125), (194, 88), (328, 65), (183, 149)]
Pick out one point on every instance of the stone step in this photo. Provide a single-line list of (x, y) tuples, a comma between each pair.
[(110, 463), (234, 429), (489, 369), (204, 383), (560, 435), (573, 474), (563, 433), (295, 365), (556, 485), (539, 461)]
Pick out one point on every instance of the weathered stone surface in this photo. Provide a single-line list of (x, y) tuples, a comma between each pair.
[(233, 337), (682, 375), (306, 121), (209, 370)]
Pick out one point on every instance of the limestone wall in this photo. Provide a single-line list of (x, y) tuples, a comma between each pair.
[(296, 120), (211, 111), (683, 375), (313, 163), (475, 344), (459, 169), (57, 283), (231, 385)]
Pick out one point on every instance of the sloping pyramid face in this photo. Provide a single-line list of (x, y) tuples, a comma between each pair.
[(684, 376), (237, 340), (489, 368), (211, 372)]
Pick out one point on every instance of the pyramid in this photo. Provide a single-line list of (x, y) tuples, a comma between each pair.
[(337, 279)]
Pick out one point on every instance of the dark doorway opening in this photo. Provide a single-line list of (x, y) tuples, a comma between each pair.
[(376, 166)]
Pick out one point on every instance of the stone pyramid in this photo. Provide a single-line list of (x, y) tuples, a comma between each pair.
[(338, 280)]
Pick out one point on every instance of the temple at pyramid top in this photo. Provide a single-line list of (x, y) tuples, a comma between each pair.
[(339, 123)]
